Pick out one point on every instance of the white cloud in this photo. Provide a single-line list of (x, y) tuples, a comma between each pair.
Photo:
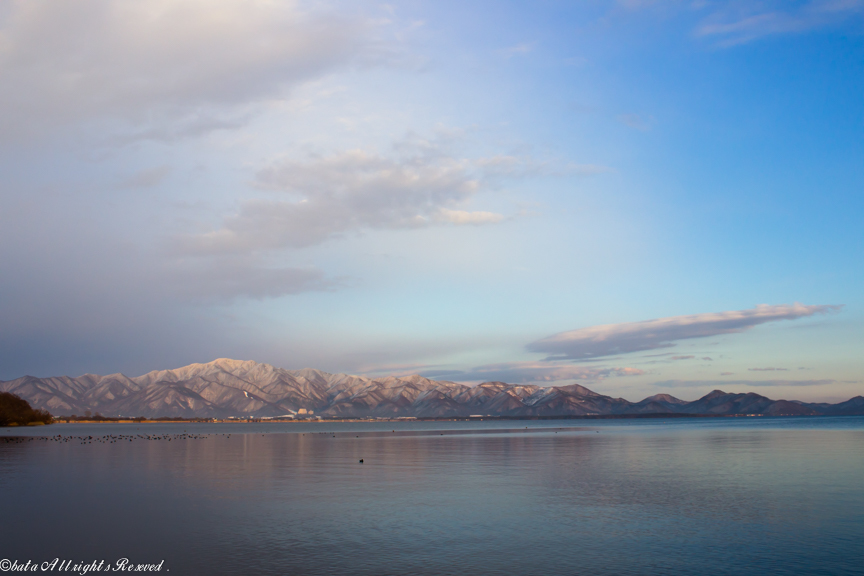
[(420, 184), (611, 339)]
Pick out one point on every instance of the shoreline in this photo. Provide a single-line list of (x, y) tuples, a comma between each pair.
[(61, 420)]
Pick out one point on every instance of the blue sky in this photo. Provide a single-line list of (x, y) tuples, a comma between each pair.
[(436, 188)]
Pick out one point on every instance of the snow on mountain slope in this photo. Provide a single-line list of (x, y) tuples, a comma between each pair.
[(226, 387)]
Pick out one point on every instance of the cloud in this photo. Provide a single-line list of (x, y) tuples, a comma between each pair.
[(735, 22), (768, 369), (463, 217), (160, 62), (681, 357), (527, 372), (420, 184), (225, 279), (612, 339), (757, 383), (739, 23), (726, 373), (146, 178), (636, 121), (521, 48)]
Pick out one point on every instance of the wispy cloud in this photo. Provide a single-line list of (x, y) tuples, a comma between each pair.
[(521, 48), (528, 372), (756, 383), (466, 217), (420, 183), (636, 121), (742, 22), (612, 339), (306, 201), (733, 22), (768, 369), (224, 279)]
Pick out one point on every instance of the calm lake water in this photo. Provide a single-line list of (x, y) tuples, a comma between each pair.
[(571, 497)]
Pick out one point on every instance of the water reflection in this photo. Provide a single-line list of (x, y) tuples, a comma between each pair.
[(629, 499)]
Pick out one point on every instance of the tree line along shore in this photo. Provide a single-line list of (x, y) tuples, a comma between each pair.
[(15, 411)]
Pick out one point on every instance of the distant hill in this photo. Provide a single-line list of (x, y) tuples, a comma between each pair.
[(224, 388)]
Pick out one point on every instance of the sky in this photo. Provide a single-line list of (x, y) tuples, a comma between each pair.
[(637, 196)]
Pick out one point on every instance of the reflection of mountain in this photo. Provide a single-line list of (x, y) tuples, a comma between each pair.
[(236, 388)]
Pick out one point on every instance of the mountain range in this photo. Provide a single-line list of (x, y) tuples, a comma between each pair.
[(234, 388)]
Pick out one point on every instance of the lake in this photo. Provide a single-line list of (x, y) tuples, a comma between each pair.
[(685, 496)]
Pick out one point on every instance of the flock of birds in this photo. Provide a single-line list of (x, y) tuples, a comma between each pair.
[(106, 439), (116, 438)]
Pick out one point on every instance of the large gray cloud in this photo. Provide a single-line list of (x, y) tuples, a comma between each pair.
[(612, 339), (163, 66), (76, 295)]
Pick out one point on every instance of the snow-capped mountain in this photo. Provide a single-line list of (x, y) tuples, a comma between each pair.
[(227, 387)]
